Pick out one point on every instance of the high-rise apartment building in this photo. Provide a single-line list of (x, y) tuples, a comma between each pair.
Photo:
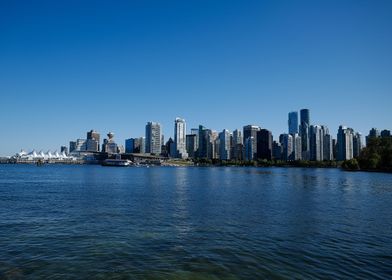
[(180, 138), (153, 138), (345, 143)]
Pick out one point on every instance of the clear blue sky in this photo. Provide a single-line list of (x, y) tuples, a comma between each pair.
[(69, 66)]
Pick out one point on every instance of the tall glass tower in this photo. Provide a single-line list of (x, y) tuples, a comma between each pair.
[(293, 123)]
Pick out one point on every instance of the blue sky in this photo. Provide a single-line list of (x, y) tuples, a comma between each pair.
[(69, 66)]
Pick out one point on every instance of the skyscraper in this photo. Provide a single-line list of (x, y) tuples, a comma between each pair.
[(180, 138), (250, 147), (327, 145), (191, 145), (237, 147), (251, 131), (345, 143), (196, 132), (316, 143), (204, 149), (264, 144), (357, 144), (224, 145), (297, 147), (153, 138), (293, 123), (304, 133), (92, 143), (287, 143)]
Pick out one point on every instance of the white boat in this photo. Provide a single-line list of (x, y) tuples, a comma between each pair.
[(117, 162)]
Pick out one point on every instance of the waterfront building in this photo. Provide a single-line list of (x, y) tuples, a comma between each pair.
[(328, 147), (140, 146), (250, 147), (80, 145), (205, 146), (357, 144), (180, 138), (386, 133), (251, 131), (297, 147), (72, 146), (316, 143), (93, 140), (195, 131), (130, 145), (335, 148), (224, 145), (191, 147), (264, 144), (304, 133), (153, 138), (345, 143), (109, 146), (237, 146), (169, 149), (293, 123), (287, 144), (277, 150)]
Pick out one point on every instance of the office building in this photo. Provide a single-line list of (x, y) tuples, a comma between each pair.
[(191, 147), (250, 148), (251, 131), (304, 133), (373, 133), (287, 144), (264, 144), (293, 123), (224, 145), (92, 143)]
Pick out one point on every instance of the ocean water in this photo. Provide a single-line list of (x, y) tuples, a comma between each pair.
[(93, 222)]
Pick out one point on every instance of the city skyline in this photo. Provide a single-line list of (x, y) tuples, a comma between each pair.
[(67, 68)]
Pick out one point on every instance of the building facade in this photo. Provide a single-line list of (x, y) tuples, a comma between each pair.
[(180, 138), (153, 138)]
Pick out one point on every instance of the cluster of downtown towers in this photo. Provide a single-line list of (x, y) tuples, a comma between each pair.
[(302, 142)]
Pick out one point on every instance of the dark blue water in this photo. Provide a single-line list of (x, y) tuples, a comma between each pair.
[(92, 222)]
